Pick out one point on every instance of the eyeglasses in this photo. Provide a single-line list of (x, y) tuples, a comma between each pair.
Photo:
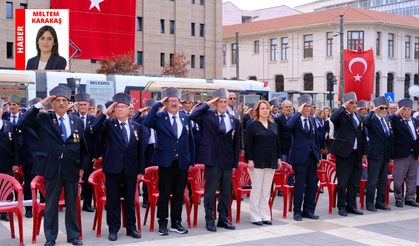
[(382, 108), (121, 107), (173, 101), (232, 98)]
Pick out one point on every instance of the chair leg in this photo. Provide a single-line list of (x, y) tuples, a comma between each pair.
[(34, 226), (388, 192), (214, 212), (123, 213), (146, 211), (99, 211), (152, 215), (330, 191), (20, 222), (291, 196), (137, 208), (362, 194), (12, 224), (188, 210), (285, 196), (231, 204), (318, 193), (79, 217), (238, 205), (195, 210)]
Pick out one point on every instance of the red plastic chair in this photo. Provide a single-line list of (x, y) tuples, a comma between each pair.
[(8, 184), (389, 180), (98, 164), (151, 178), (19, 175), (276, 185), (328, 178), (38, 184), (281, 177), (332, 157), (196, 177), (362, 185), (239, 179)]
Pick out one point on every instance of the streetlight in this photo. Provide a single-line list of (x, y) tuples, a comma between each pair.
[(332, 81), (237, 43)]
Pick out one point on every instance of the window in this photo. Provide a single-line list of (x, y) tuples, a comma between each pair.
[(390, 45), (171, 59), (406, 85), (201, 61), (407, 47), (161, 59), (172, 27), (284, 49), (246, 18), (390, 82), (308, 46), (308, 82), (365, 4), (377, 44), (139, 57), (192, 29), (9, 10), (201, 2), (224, 54), (257, 46), (354, 4), (201, 30), (139, 23), (192, 61), (9, 50), (377, 85), (274, 48), (192, 1), (161, 26), (353, 38), (416, 47), (233, 54), (279, 83), (23, 6), (253, 78), (329, 44), (377, 2), (92, 61)]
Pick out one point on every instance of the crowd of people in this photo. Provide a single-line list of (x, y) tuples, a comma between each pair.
[(62, 141)]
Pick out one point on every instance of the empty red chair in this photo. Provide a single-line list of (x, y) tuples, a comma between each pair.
[(276, 185), (240, 179), (332, 157), (329, 178), (8, 184), (282, 176), (98, 164)]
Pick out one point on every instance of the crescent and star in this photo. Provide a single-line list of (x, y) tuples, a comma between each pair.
[(358, 59)]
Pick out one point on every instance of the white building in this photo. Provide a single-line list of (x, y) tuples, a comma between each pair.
[(298, 52)]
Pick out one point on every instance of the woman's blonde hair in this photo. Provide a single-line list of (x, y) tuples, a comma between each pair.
[(256, 116), (320, 114)]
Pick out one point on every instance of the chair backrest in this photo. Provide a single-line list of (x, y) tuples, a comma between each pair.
[(97, 179), (38, 183), (332, 157), (151, 178), (98, 164), (7, 185), (19, 175), (196, 176), (241, 176), (285, 172), (330, 170)]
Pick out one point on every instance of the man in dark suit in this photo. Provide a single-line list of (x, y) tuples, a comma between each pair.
[(62, 161), (406, 151), (93, 107), (350, 148), (234, 111), (13, 115), (123, 164), (304, 156), (220, 154), (174, 153), (380, 153)]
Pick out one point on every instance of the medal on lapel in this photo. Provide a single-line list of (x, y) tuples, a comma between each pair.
[(216, 114), (165, 118), (183, 119), (136, 135), (187, 128), (78, 139), (389, 125), (55, 121), (72, 122), (197, 127), (116, 125), (417, 131), (232, 134), (10, 136), (314, 132), (362, 126), (91, 130), (74, 137)]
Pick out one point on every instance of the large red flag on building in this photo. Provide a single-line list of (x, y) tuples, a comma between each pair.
[(359, 73), (100, 27)]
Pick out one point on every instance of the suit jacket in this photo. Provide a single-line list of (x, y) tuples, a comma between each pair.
[(145, 132), (346, 133), (284, 134), (216, 146), (92, 144), (9, 147), (54, 63), (403, 142), (302, 142), (7, 116), (379, 145), (168, 144), (72, 153), (29, 144), (119, 156)]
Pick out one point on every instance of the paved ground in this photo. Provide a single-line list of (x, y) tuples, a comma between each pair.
[(396, 227)]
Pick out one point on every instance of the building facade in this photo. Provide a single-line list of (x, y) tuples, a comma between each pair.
[(298, 52), (163, 27)]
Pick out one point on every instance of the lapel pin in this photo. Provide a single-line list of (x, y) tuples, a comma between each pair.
[(116, 125), (88, 122), (183, 119), (231, 120), (132, 126), (72, 122), (55, 121), (216, 115), (77, 130), (165, 118)]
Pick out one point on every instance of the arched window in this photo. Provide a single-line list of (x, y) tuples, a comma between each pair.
[(377, 84), (253, 78), (390, 82), (279, 83), (406, 85), (308, 82)]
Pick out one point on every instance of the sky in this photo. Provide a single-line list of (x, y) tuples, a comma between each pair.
[(260, 4)]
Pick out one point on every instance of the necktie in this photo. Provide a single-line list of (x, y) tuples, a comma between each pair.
[(14, 119), (187, 113), (124, 133), (410, 130), (174, 126), (354, 121), (222, 124), (306, 125), (63, 129), (385, 127), (84, 123)]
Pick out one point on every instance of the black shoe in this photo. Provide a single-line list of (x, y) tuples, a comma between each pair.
[(371, 208), (87, 208), (297, 217), (382, 207), (4, 217), (163, 230), (75, 241), (411, 203), (259, 223), (177, 227), (211, 227), (355, 211), (112, 236), (28, 213), (133, 233), (226, 225), (144, 205), (310, 216), (343, 212), (280, 193), (267, 222), (399, 204), (49, 243)]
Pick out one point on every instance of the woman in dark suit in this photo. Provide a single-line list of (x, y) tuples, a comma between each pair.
[(47, 48), (263, 153)]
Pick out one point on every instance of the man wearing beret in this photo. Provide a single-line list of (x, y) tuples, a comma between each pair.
[(14, 104), (188, 106), (406, 151), (380, 153), (174, 153), (123, 164), (304, 159), (93, 107), (350, 148), (275, 107), (220, 154), (62, 161)]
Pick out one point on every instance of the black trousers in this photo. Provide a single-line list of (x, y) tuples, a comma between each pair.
[(216, 177), (148, 153), (87, 192), (113, 200), (28, 176), (377, 179), (348, 174), (305, 186), (171, 180)]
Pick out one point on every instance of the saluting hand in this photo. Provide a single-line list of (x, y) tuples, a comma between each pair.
[(301, 108), (163, 100), (210, 102), (110, 108), (398, 111), (47, 100), (346, 104), (144, 109)]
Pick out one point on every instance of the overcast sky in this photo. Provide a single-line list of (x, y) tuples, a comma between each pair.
[(260, 4)]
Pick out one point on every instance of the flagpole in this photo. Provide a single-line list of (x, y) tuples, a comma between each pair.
[(342, 85)]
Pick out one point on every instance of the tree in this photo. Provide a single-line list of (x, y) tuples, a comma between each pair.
[(118, 63), (176, 66)]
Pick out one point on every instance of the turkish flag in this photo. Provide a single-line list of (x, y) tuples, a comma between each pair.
[(359, 73), (100, 27)]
